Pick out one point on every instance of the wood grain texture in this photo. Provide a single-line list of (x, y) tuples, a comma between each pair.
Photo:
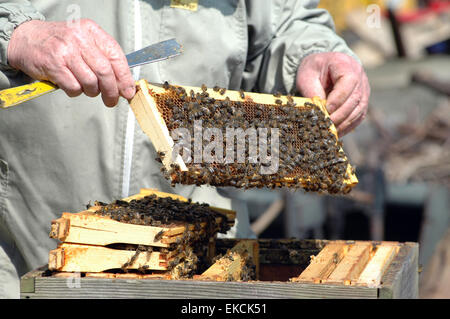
[(88, 228), (351, 266), (153, 125), (323, 264), (87, 258), (374, 270), (401, 279), (50, 287)]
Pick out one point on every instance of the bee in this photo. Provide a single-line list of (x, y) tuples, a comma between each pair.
[(166, 85), (216, 88), (144, 268), (204, 88), (159, 235), (99, 203), (277, 94), (222, 91), (291, 104), (241, 94), (278, 101)]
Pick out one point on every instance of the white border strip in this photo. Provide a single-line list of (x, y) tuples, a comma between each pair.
[(131, 120)]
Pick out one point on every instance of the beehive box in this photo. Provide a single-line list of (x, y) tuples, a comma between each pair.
[(339, 269), (149, 231)]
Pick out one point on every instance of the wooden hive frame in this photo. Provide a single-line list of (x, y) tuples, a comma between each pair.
[(84, 235), (152, 122), (355, 263)]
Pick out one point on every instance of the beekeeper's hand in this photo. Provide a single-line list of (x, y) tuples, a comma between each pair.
[(78, 57), (341, 80)]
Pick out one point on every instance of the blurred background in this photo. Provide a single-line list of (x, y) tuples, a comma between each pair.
[(401, 151)]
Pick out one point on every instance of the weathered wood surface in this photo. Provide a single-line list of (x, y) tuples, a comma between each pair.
[(401, 279), (50, 287)]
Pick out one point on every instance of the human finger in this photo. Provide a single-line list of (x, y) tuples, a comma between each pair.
[(85, 76), (344, 110), (66, 81), (113, 52), (104, 72), (343, 87), (359, 113)]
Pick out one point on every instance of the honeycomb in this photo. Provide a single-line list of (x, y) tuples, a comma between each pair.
[(191, 249), (310, 154)]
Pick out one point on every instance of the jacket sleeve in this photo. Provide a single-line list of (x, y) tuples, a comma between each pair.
[(280, 36), (12, 14)]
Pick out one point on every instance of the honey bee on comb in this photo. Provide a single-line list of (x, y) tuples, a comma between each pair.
[(309, 152)]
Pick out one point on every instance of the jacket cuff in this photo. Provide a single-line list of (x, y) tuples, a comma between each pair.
[(11, 16)]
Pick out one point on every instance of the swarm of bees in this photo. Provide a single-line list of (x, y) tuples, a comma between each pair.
[(190, 250), (310, 156)]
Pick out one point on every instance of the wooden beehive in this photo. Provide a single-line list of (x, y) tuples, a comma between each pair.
[(153, 118), (88, 240), (338, 269)]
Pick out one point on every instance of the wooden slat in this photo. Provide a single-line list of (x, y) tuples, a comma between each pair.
[(229, 267), (153, 125), (125, 276), (401, 278), (351, 265), (323, 264), (85, 228), (372, 273), (86, 258)]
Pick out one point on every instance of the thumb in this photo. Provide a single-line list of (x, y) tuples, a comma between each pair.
[(309, 85)]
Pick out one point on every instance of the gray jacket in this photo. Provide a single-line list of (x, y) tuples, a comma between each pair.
[(57, 153)]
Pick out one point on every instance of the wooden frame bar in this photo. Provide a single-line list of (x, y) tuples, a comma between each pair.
[(86, 258)]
